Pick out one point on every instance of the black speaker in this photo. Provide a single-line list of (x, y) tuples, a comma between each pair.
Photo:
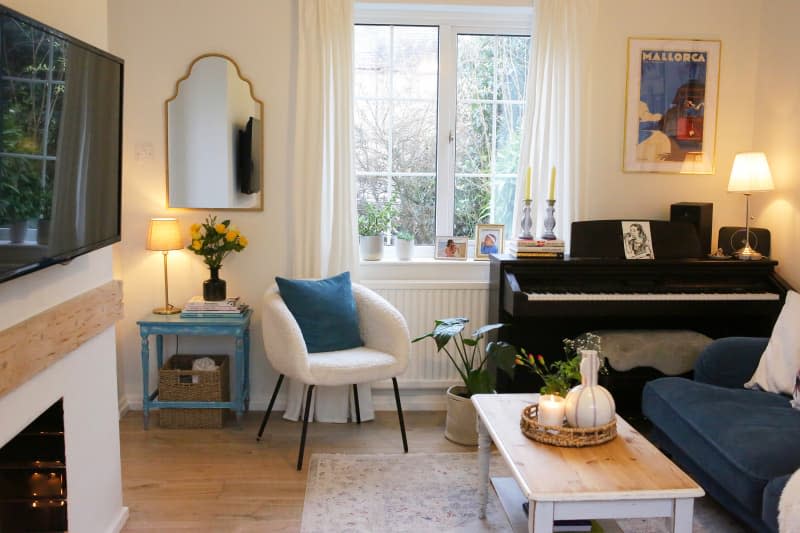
[(731, 238), (699, 214)]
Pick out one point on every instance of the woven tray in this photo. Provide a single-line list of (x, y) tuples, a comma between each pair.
[(564, 436)]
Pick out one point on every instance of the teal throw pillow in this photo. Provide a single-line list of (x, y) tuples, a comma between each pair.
[(325, 311)]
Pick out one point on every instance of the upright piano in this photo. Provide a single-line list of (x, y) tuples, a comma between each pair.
[(547, 300)]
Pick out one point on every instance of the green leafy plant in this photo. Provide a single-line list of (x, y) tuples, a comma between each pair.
[(560, 376), (20, 197), (376, 219), (404, 235), (466, 356), (215, 240)]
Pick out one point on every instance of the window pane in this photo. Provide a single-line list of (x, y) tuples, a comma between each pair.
[(417, 207), (491, 87), (414, 136), (371, 136), (396, 91)]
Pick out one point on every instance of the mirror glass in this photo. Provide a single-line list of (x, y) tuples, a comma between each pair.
[(214, 133)]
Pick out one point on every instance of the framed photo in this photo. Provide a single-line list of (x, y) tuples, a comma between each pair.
[(636, 239), (671, 106), (451, 248), (488, 240)]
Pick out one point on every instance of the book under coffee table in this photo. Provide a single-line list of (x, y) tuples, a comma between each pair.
[(625, 478)]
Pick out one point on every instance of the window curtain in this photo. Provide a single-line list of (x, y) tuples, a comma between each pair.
[(325, 239), (555, 111)]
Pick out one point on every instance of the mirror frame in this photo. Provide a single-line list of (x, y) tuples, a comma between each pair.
[(166, 133)]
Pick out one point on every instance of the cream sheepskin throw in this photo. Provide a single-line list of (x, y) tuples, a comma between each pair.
[(789, 506)]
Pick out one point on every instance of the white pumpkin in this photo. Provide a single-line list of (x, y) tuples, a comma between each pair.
[(589, 404)]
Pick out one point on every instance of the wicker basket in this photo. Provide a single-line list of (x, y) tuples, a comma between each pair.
[(178, 382), (564, 436)]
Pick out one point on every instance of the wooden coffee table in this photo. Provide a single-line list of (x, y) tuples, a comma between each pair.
[(625, 478)]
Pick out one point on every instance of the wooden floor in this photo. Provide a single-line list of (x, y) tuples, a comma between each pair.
[(222, 480)]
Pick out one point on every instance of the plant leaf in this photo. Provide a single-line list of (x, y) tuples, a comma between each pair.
[(447, 329), (503, 355), (479, 382), (481, 331), (423, 337), (470, 342)]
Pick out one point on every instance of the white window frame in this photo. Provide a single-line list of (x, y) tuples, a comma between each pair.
[(452, 20)]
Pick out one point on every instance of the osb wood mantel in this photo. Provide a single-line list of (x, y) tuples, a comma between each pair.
[(33, 345)]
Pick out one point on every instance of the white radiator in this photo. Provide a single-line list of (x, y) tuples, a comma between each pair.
[(422, 302)]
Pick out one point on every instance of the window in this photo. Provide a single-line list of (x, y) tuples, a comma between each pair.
[(438, 109)]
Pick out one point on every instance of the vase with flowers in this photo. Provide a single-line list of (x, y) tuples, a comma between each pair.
[(214, 241)]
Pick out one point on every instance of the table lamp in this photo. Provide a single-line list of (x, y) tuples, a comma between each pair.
[(164, 234), (750, 173)]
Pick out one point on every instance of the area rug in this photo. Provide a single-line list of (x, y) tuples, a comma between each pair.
[(421, 493)]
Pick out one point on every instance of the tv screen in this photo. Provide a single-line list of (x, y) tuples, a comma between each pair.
[(60, 146), (248, 166)]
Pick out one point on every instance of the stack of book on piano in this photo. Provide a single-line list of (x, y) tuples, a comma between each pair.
[(196, 307), (537, 249)]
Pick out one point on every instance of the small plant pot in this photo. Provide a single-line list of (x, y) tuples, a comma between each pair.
[(404, 249), (17, 231), (461, 425), (371, 247)]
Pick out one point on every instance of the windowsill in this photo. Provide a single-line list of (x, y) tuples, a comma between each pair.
[(425, 268), (418, 261)]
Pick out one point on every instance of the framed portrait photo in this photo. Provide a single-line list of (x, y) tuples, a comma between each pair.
[(451, 248), (671, 106), (637, 239), (488, 240)]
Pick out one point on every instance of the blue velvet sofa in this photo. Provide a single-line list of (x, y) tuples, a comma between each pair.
[(741, 445)]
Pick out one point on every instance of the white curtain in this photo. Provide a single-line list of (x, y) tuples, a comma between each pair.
[(555, 110), (323, 189)]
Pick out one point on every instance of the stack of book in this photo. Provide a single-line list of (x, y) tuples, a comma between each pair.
[(537, 249), (196, 307)]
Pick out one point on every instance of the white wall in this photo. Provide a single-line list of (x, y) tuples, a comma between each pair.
[(777, 130), (86, 378)]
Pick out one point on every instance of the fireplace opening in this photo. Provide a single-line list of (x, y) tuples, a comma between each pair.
[(33, 477)]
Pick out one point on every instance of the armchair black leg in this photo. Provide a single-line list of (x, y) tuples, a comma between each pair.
[(400, 414), (358, 408), (305, 428), (269, 409)]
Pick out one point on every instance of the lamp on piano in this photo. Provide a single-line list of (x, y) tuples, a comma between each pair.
[(750, 173)]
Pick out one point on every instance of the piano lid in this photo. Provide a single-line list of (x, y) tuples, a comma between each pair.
[(603, 239)]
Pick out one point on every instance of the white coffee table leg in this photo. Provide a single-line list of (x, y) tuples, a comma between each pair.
[(682, 515), (540, 517), (484, 452)]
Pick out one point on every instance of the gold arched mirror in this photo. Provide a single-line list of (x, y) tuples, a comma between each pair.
[(214, 138)]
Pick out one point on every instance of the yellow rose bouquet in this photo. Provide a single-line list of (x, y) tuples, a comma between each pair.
[(215, 240)]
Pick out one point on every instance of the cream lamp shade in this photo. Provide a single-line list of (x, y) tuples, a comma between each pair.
[(750, 173), (164, 234)]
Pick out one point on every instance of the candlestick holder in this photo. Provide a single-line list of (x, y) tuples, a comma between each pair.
[(526, 223), (549, 221)]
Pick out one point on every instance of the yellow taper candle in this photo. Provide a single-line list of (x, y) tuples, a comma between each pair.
[(552, 195), (528, 184)]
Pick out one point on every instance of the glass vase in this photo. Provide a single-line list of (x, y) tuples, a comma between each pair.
[(214, 288)]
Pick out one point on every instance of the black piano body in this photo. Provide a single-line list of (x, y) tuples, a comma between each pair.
[(547, 300)]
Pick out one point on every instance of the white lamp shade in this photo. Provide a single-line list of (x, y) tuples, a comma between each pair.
[(750, 173), (164, 234)]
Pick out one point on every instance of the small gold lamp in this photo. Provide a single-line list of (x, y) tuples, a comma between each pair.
[(163, 235), (750, 173)]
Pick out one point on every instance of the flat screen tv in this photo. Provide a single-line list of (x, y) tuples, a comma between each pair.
[(60, 146)]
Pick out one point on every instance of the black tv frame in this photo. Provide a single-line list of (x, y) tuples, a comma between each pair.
[(68, 256)]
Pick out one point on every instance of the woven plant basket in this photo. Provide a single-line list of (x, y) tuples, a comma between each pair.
[(178, 382), (564, 436)]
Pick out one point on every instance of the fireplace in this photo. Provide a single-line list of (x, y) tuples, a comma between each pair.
[(33, 476)]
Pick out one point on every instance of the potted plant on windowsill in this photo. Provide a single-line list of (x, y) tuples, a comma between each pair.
[(472, 363), (373, 221), (404, 243)]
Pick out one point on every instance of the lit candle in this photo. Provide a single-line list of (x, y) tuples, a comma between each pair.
[(552, 195), (551, 410), (528, 184)]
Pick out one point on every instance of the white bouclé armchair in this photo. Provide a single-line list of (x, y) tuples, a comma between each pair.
[(384, 354)]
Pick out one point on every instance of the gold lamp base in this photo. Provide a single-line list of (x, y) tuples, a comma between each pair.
[(747, 254), (169, 310)]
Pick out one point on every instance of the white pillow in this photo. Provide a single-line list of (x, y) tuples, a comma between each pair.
[(781, 360)]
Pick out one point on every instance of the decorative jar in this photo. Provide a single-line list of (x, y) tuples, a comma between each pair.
[(589, 404)]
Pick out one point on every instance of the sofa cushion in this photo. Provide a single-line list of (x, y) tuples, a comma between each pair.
[(738, 436), (780, 361)]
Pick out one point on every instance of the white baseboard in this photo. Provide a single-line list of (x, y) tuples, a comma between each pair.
[(119, 523), (425, 399)]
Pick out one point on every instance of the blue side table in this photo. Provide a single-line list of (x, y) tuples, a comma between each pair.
[(160, 325)]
